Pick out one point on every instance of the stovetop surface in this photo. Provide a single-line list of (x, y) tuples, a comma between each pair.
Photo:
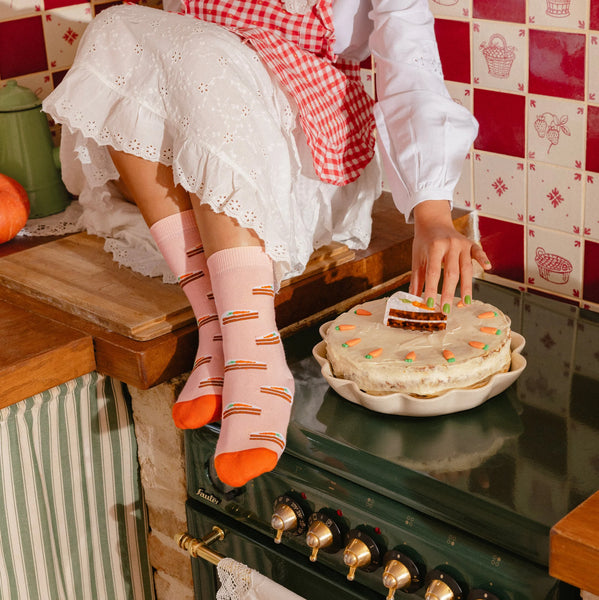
[(506, 471)]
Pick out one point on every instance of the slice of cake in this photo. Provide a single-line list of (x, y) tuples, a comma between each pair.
[(386, 349), (409, 312)]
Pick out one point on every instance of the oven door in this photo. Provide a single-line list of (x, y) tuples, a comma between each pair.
[(276, 561)]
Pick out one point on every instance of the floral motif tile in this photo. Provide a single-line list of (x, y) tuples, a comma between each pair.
[(499, 182), (460, 93), (554, 262), (593, 68), (462, 196), (499, 56), (450, 8), (453, 40), (556, 131), (556, 63), (63, 29), (501, 117), (11, 9), (591, 206), (39, 83), (555, 198)]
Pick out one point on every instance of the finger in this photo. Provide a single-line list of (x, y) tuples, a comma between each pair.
[(432, 276), (480, 256), (451, 276), (417, 280), (466, 277)]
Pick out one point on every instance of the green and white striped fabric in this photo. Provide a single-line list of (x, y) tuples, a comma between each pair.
[(72, 519)]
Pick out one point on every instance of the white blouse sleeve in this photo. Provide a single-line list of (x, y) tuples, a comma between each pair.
[(425, 135)]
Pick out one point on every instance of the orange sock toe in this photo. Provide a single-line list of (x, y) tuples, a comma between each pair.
[(191, 414), (237, 468)]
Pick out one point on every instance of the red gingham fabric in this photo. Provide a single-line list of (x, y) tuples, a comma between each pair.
[(335, 110)]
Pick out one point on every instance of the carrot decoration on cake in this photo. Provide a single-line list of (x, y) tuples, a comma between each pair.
[(491, 330), (362, 312), (449, 356), (410, 356), (350, 343), (479, 345), (345, 327), (374, 353), (489, 314)]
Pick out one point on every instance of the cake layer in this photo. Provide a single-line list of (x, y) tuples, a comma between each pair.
[(382, 359)]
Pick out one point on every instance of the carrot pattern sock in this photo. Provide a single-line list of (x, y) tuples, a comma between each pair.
[(178, 239), (258, 390)]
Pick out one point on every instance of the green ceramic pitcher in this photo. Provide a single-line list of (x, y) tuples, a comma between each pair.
[(27, 153)]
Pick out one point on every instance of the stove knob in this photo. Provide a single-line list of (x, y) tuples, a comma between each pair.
[(290, 514), (481, 595), (364, 550), (441, 586), (401, 573), (326, 532)]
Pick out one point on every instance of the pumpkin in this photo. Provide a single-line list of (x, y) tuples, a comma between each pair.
[(14, 208)]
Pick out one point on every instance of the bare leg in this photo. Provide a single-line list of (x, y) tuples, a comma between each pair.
[(151, 186)]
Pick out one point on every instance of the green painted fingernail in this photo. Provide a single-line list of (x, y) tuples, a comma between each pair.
[(430, 302), (446, 308), (467, 300)]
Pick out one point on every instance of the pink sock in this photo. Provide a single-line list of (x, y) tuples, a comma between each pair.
[(179, 241), (258, 390)]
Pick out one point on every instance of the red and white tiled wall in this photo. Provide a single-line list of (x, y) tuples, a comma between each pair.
[(529, 71)]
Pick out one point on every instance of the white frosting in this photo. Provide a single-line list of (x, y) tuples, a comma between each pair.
[(429, 373)]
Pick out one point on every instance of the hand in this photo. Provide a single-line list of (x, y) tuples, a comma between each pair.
[(437, 244)]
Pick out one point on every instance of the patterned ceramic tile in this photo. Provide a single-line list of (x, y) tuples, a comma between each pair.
[(592, 137), (63, 28), (591, 207), (565, 14), (367, 78), (460, 93), (11, 9), (54, 4), (594, 20), (556, 131), (554, 262), (14, 35), (499, 186), (503, 242), (450, 8), (593, 69), (587, 348), (591, 272), (40, 83), (462, 196), (555, 198), (499, 56), (556, 63), (506, 10), (501, 118), (453, 40)]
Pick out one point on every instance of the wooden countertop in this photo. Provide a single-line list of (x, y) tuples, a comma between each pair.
[(574, 543), (143, 364)]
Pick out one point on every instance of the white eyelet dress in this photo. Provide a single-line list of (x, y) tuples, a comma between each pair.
[(191, 95)]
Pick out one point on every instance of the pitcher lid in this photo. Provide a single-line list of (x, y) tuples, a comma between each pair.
[(15, 97)]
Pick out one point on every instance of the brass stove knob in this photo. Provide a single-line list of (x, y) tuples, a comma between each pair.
[(283, 519), (395, 577), (364, 550), (290, 513), (356, 554), (326, 532), (401, 573), (441, 586)]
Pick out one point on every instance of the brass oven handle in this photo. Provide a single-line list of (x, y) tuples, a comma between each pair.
[(199, 548)]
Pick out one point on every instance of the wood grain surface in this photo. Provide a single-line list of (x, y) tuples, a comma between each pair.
[(37, 353)]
